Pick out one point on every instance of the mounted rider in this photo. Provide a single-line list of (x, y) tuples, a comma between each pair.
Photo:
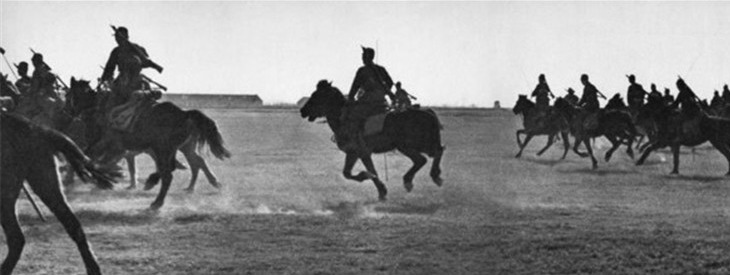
[(571, 97), (365, 99), (130, 84), (40, 100), (402, 98), (589, 103), (668, 97), (726, 94), (635, 95), (24, 81), (542, 94)]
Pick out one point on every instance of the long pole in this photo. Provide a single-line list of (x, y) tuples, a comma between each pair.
[(2, 51), (35, 206)]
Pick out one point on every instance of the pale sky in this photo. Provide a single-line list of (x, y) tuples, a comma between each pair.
[(445, 53)]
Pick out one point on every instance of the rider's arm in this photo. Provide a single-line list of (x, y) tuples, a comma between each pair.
[(111, 65), (356, 83)]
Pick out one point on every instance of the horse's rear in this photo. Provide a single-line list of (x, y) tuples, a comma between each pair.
[(28, 155), (415, 132), (163, 129)]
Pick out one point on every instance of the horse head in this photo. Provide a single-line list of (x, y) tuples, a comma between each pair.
[(323, 101), (523, 104), (80, 96)]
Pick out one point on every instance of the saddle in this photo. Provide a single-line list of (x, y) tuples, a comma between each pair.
[(374, 124), (123, 117)]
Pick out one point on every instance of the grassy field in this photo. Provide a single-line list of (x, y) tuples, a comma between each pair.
[(285, 208)]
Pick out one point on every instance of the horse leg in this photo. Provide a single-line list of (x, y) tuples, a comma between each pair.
[(436, 166), (196, 163), (577, 143), (14, 238), (350, 160), (566, 144), (418, 162), (368, 162), (549, 143), (46, 186), (614, 145), (647, 151), (630, 148), (132, 166), (165, 166), (675, 152), (519, 142), (522, 146), (587, 143)]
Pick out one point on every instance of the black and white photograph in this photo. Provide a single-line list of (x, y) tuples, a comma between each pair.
[(365, 137)]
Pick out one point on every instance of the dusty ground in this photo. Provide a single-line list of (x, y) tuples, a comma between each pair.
[(286, 209)]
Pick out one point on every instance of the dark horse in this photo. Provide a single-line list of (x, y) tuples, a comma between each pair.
[(86, 103), (690, 126), (412, 132), (538, 123), (28, 154), (645, 126), (161, 130), (616, 126)]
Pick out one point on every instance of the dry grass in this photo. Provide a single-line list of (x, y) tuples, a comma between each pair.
[(286, 209)]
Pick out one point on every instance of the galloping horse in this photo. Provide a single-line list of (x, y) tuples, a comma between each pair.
[(28, 154), (616, 126), (162, 130), (690, 126), (645, 126), (412, 132), (536, 123)]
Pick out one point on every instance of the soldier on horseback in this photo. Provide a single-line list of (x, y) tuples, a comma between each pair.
[(402, 98), (726, 94), (589, 99), (571, 97), (366, 98), (24, 81), (542, 93), (635, 95), (130, 58), (668, 98), (128, 90), (589, 103), (41, 99)]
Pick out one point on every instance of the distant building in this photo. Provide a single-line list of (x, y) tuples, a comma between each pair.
[(497, 105), (213, 100), (302, 101)]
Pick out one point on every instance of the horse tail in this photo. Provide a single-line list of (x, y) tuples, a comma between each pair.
[(80, 163), (208, 134), (435, 134)]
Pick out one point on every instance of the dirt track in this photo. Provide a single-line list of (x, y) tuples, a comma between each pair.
[(286, 209)]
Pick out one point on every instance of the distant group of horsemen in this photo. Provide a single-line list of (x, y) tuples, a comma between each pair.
[(664, 120)]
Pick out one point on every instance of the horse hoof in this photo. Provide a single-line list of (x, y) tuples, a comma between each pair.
[(148, 186), (382, 198), (518, 155), (189, 190), (132, 187), (156, 206), (408, 185), (216, 184), (438, 181)]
